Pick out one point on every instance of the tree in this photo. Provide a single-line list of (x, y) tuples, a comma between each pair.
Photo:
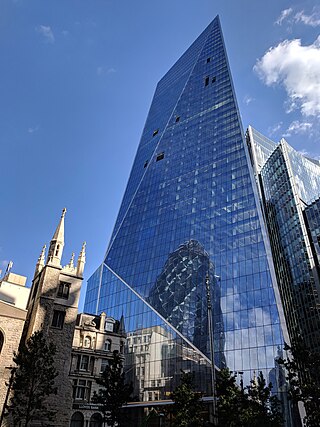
[(263, 409), (303, 375), (187, 405), (248, 406), (114, 392), (33, 381), (231, 398)]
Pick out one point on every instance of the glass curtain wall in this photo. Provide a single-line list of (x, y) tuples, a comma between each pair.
[(191, 209)]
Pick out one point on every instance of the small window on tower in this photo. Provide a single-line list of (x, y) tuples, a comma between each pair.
[(64, 290), (160, 156), (208, 60), (177, 119), (206, 81), (58, 319), (155, 132), (214, 79), (146, 163)]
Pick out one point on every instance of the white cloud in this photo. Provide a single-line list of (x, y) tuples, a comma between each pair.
[(284, 15), (247, 99), (105, 70), (296, 68), (274, 129), (298, 127), (46, 32), (33, 129), (313, 20)]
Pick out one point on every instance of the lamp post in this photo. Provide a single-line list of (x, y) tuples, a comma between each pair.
[(211, 342)]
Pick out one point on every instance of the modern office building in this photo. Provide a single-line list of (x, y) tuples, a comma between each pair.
[(191, 209), (289, 186)]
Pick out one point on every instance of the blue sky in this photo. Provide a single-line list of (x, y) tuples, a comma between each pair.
[(76, 83)]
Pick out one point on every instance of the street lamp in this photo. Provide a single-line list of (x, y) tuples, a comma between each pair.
[(211, 342)]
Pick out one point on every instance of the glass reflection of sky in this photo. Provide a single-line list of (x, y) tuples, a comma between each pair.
[(191, 182)]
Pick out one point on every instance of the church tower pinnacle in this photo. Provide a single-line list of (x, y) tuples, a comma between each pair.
[(81, 260), (57, 243), (53, 309), (40, 262)]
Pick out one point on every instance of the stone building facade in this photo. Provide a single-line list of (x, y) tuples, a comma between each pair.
[(84, 342), (95, 339), (11, 326), (13, 302), (53, 309)]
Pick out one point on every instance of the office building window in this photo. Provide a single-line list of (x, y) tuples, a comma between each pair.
[(104, 364), (107, 345), (160, 156), (81, 389), (84, 363)]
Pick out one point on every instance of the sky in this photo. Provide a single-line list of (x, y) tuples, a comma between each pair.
[(76, 82)]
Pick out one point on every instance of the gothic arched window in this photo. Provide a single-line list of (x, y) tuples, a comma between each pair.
[(96, 420), (1, 341), (77, 420)]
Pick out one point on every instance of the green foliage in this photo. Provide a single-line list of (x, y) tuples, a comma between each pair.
[(187, 405), (263, 408), (248, 406), (33, 381), (230, 399), (114, 392), (303, 375)]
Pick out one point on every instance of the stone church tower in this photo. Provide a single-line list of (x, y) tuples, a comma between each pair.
[(53, 308)]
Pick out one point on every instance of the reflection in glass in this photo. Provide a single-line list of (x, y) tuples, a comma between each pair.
[(179, 295), (194, 211)]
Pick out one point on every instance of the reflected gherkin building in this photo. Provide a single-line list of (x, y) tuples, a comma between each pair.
[(185, 307), (191, 208)]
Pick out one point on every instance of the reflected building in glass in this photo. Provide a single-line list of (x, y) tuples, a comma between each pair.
[(191, 208), (289, 185)]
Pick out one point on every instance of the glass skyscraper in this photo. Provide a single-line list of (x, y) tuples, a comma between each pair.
[(191, 209), (289, 186)]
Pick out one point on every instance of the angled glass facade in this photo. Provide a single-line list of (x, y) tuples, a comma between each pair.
[(288, 182), (191, 208), (312, 215)]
